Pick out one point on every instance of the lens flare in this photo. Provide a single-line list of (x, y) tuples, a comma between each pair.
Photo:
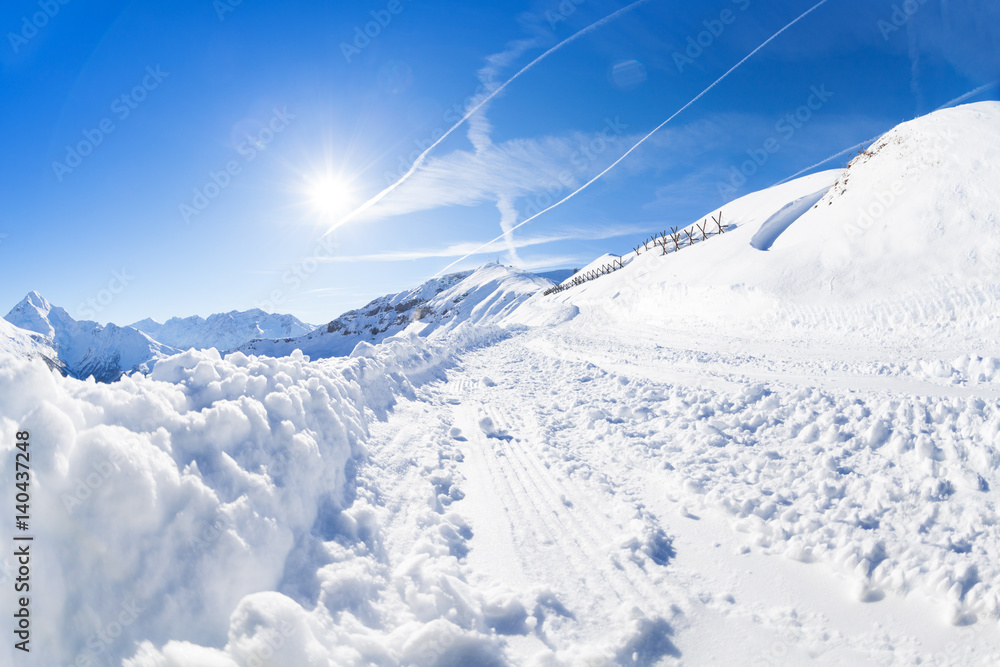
[(329, 195)]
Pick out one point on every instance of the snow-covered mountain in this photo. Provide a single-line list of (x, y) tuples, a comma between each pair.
[(223, 331), (17, 342), (484, 296), (87, 348)]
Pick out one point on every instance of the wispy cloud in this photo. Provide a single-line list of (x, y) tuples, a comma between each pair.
[(468, 247), (513, 169)]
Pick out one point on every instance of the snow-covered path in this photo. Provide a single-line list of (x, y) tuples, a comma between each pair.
[(671, 506)]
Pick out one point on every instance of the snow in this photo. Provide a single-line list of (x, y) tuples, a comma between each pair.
[(776, 447), (185, 493), (16, 342), (783, 219), (223, 331)]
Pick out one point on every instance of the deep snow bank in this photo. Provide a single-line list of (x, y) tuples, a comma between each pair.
[(162, 504)]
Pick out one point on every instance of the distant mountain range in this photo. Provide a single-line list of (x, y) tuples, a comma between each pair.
[(36, 328), (87, 348), (223, 331)]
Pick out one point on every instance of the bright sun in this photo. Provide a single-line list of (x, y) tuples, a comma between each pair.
[(329, 195)]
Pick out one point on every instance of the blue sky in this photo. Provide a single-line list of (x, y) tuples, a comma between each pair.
[(187, 157)]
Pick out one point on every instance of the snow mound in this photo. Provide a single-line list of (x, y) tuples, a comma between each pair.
[(168, 502), (482, 297), (87, 348), (223, 331)]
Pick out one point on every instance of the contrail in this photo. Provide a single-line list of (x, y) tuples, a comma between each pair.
[(867, 142), (641, 141), (971, 93), (420, 159)]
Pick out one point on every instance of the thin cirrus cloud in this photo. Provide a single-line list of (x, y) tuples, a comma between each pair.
[(465, 248), (513, 169)]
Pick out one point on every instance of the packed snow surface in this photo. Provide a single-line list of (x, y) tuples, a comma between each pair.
[(726, 455)]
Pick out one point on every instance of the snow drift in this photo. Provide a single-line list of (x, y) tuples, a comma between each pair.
[(169, 505)]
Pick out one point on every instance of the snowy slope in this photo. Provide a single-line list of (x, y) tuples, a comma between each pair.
[(483, 296), (223, 331), (19, 343), (87, 348), (903, 251)]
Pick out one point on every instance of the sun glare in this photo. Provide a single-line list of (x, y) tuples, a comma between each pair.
[(329, 195)]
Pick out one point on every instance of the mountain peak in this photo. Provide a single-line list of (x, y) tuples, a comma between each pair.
[(32, 314), (36, 300)]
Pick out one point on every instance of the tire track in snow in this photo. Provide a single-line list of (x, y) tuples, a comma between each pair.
[(530, 517), (504, 493), (598, 527), (624, 575), (536, 510)]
